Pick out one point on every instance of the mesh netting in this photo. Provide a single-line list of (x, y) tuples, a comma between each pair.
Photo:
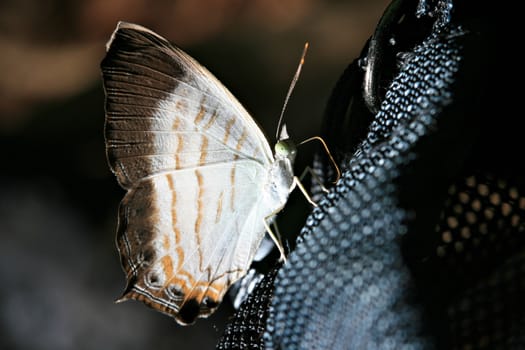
[(421, 243)]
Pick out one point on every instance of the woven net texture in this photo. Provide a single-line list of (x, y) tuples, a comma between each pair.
[(421, 242)]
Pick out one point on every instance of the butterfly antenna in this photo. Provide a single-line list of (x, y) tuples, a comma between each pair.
[(290, 89), (332, 160)]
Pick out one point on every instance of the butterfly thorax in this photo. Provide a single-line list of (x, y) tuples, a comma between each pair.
[(281, 174)]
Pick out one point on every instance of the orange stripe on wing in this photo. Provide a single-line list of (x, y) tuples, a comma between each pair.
[(232, 173), (178, 151), (200, 209), (176, 124), (167, 266), (228, 129), (219, 208), (232, 182), (241, 140), (180, 255), (204, 150), (182, 106), (200, 115), (166, 242), (174, 225), (211, 121)]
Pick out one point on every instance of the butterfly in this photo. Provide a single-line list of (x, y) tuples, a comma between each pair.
[(201, 179)]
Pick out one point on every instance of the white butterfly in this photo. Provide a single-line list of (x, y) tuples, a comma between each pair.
[(200, 176)]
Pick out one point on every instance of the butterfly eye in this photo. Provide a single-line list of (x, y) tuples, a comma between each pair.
[(280, 148), (285, 149)]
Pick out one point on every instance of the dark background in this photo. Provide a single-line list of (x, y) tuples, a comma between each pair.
[(59, 268)]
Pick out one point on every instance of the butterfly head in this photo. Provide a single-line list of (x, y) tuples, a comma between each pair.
[(285, 148)]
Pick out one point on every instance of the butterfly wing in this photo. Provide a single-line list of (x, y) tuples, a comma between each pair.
[(194, 164), (159, 102), (181, 240)]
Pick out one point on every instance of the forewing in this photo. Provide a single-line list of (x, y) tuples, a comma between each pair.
[(184, 237), (166, 112)]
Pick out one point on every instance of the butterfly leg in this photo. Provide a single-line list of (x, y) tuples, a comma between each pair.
[(297, 182), (275, 236), (314, 177)]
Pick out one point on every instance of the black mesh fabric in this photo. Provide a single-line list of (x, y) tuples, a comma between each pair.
[(421, 243), (245, 330)]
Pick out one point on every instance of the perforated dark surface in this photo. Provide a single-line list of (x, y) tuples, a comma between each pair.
[(352, 287), (246, 328), (421, 242)]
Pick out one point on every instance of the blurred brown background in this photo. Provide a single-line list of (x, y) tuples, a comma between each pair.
[(59, 268)]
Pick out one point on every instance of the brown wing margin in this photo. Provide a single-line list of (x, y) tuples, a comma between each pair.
[(133, 89)]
